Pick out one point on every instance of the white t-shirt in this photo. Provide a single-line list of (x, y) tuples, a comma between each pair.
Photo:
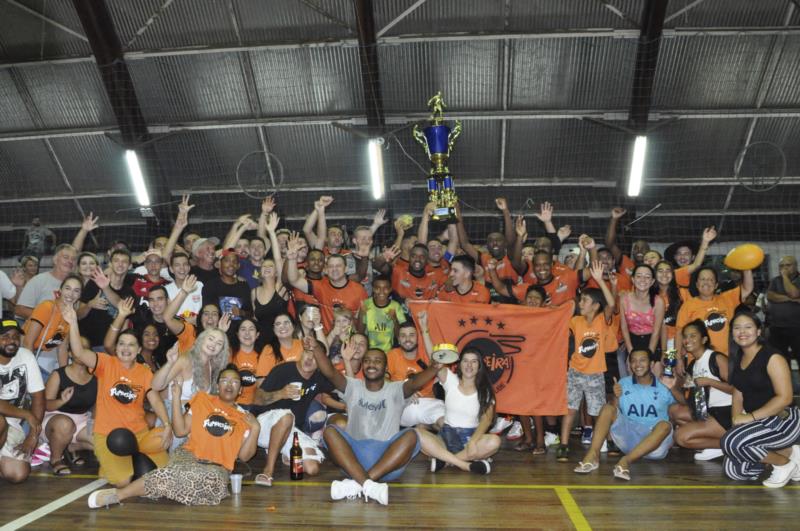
[(19, 377), (460, 410), (40, 288), (191, 307), (7, 288)]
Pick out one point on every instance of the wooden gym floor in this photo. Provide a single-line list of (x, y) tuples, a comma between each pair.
[(522, 492)]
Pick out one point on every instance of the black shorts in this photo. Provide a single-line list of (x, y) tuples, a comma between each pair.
[(722, 415)]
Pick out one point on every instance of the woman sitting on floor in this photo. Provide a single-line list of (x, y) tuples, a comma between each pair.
[(218, 432)]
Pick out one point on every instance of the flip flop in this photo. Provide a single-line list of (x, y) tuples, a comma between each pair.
[(622, 473), (540, 450), (60, 468), (263, 480), (585, 468), (523, 446), (74, 459)]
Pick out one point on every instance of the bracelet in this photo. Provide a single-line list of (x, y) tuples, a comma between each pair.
[(114, 328)]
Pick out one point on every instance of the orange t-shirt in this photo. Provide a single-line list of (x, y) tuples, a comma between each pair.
[(252, 367), (340, 367), (217, 431), (716, 314), (55, 330), (442, 268), (348, 296), (289, 354), (624, 283), (478, 293), (505, 270), (591, 342), (399, 368), (626, 265), (682, 277), (187, 337), (412, 288), (120, 395), (562, 287)]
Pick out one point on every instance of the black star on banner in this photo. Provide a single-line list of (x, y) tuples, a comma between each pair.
[(501, 325), (473, 320), (487, 320), (462, 323)]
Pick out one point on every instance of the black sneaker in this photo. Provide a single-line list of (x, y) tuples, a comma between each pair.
[(562, 454), (613, 449), (480, 467), (437, 465)]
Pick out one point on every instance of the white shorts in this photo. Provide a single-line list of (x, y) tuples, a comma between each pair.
[(424, 411), (15, 437), (80, 420), (268, 419)]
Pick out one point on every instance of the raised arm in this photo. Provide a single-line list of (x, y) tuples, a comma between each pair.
[(597, 274), (292, 271), (521, 230), (86, 356), (463, 239), (508, 226), (125, 310), (611, 232), (243, 224), (102, 282), (174, 324), (709, 234), (267, 206), (271, 225), (324, 363), (181, 222), (422, 230), (181, 419), (747, 284), (315, 237), (545, 215), (170, 370), (88, 225), (412, 385), (378, 220)]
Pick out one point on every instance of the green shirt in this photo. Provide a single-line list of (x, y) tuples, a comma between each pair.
[(379, 326)]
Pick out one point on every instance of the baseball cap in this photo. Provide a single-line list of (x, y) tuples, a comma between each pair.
[(9, 324), (200, 241)]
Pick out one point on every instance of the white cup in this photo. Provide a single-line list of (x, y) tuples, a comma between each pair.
[(299, 386), (236, 483)]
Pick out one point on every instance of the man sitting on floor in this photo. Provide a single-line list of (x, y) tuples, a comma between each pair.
[(639, 421), (371, 449)]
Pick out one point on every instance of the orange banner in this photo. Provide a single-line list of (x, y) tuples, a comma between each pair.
[(525, 349)]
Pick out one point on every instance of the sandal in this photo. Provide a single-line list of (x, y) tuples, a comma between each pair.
[(622, 473), (523, 446), (60, 468), (263, 480), (74, 459), (585, 468), (540, 450)]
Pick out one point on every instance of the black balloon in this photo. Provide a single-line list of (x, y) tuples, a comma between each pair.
[(142, 465), (122, 442)]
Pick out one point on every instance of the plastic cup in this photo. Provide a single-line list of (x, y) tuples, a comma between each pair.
[(236, 483), (299, 386)]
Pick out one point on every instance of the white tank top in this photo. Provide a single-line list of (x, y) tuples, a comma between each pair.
[(187, 391), (701, 369)]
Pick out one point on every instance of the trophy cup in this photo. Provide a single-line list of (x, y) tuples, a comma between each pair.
[(437, 140), (670, 361)]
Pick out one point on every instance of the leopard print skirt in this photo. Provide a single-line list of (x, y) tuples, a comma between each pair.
[(188, 481)]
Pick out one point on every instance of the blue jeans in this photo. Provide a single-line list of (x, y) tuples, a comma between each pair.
[(369, 451), (455, 439)]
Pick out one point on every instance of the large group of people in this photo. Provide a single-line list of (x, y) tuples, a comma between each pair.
[(172, 363)]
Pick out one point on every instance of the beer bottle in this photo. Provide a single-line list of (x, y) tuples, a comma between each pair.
[(296, 460)]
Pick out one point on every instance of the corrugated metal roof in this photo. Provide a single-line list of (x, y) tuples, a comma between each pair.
[(190, 87), (68, 95), (441, 16), (558, 14), (572, 73), (306, 81), (710, 72), (93, 164), (723, 13), (26, 169), (294, 20), (12, 108), (25, 37), (467, 73), (784, 88)]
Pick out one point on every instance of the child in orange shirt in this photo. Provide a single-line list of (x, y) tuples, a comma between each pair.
[(587, 363)]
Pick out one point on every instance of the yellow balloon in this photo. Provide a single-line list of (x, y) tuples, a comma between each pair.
[(745, 257)]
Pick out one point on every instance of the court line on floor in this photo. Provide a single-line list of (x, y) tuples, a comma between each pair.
[(573, 510), (495, 486), (53, 505)]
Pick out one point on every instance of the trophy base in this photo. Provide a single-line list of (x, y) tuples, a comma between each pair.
[(444, 214)]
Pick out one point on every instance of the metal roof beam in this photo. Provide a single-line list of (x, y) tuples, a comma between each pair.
[(738, 31), (646, 63), (48, 20)]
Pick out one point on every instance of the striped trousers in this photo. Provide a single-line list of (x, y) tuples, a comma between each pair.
[(746, 445)]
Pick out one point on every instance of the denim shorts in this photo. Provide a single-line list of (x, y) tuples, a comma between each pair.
[(455, 439), (627, 434), (369, 451)]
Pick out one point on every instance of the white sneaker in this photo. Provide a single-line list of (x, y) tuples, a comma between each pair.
[(102, 498), (346, 488), (500, 425), (551, 439), (781, 474), (604, 448), (377, 491), (708, 454), (515, 432), (796, 458)]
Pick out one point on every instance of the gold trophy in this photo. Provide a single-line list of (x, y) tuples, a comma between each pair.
[(437, 140)]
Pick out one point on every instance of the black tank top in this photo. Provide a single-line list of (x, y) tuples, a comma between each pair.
[(754, 382), (266, 314), (84, 396)]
